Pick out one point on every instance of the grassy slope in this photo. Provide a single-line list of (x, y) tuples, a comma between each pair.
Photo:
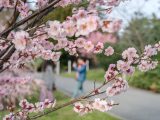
[(67, 113)]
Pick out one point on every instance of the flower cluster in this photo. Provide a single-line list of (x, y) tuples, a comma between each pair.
[(97, 104), (109, 51), (47, 40), (27, 107), (38, 107), (24, 9), (82, 23), (14, 87), (120, 85), (111, 72)]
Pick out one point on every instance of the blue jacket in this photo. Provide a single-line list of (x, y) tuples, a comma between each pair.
[(81, 73)]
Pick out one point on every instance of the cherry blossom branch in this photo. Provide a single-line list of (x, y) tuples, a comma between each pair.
[(28, 18), (40, 16), (89, 95)]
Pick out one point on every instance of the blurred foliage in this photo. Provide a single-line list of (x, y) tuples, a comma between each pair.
[(106, 61), (149, 80), (141, 31), (59, 14)]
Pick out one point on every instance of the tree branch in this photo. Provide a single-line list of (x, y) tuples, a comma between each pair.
[(6, 31)]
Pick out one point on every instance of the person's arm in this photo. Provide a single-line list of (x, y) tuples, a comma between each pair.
[(75, 67)]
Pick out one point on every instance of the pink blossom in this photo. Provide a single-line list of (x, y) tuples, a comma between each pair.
[(20, 40), (98, 48), (41, 3), (125, 67), (109, 51), (39, 106), (102, 105), (55, 29), (64, 3), (78, 106), (63, 42), (23, 103), (147, 65), (110, 25), (113, 2), (150, 51), (72, 51), (47, 103), (46, 54), (111, 72), (86, 25), (88, 46), (69, 27), (157, 45), (9, 117), (96, 37), (119, 86), (55, 56), (23, 9), (80, 42), (7, 3), (130, 54)]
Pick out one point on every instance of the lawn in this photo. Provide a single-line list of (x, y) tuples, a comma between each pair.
[(67, 113), (93, 74)]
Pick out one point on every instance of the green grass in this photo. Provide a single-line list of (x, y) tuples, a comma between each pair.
[(67, 113), (93, 74)]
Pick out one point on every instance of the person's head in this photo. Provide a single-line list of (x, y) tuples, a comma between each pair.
[(48, 63), (80, 61)]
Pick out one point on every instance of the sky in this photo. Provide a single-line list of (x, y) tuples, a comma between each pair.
[(125, 10)]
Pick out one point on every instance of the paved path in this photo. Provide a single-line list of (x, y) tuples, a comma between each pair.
[(135, 104)]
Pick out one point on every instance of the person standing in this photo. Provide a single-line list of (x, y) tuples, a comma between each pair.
[(80, 69), (49, 82)]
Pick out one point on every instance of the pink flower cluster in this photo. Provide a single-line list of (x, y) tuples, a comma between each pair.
[(64, 3), (41, 3), (27, 107), (97, 104), (120, 85), (81, 24), (24, 9), (72, 35), (13, 88), (146, 63), (38, 107), (111, 72)]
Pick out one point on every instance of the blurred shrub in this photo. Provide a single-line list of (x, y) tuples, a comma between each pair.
[(57, 14), (148, 80)]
